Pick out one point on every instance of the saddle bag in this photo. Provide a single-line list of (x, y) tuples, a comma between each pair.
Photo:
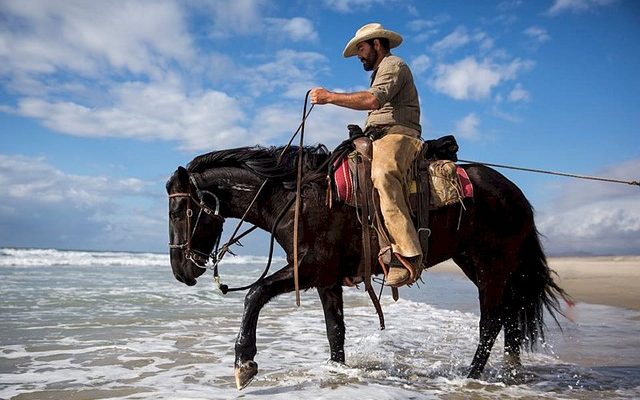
[(445, 185)]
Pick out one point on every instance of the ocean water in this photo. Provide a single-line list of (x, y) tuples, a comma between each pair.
[(85, 325)]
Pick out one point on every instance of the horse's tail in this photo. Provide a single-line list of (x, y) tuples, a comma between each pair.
[(532, 290)]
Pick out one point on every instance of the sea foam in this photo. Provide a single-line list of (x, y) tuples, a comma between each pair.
[(51, 257)]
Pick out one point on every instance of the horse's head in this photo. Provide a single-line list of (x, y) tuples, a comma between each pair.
[(195, 226)]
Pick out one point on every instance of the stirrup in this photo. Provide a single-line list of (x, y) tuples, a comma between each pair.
[(413, 274)]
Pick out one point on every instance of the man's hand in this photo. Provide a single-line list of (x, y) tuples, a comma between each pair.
[(320, 95)]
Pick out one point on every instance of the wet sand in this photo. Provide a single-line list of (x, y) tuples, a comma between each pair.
[(613, 281)]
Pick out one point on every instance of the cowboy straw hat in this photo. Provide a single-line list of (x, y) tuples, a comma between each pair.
[(371, 31)]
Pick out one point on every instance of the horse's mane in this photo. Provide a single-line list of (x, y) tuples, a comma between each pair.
[(264, 161)]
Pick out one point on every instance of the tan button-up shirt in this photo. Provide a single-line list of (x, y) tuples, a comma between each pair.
[(392, 84)]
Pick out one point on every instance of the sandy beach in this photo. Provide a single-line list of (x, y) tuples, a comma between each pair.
[(611, 280)]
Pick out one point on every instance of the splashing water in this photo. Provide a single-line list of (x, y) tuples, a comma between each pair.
[(117, 325)]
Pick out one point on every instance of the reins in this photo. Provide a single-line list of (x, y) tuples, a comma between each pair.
[(541, 171), (225, 288), (296, 212), (218, 255)]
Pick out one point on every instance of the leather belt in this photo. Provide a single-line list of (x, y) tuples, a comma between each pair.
[(376, 132)]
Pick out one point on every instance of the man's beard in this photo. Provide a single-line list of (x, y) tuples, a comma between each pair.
[(369, 62)]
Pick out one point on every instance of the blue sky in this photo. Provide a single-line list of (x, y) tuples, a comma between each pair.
[(101, 101)]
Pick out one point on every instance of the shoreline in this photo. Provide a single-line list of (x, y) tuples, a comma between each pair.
[(608, 280)]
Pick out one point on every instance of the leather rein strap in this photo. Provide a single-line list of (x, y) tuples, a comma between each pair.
[(366, 245), (296, 215), (219, 254)]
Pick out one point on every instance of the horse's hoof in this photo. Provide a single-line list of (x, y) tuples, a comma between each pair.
[(512, 375), (474, 374), (245, 373)]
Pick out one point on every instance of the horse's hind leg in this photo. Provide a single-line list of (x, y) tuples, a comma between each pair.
[(490, 291), (259, 295), (331, 298), (512, 341), (490, 325), (491, 283)]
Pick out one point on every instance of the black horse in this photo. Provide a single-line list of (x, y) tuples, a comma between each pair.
[(494, 241)]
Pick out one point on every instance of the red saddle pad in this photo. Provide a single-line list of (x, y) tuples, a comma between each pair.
[(344, 182)]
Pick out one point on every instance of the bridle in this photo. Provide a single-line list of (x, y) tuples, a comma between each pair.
[(197, 257), (200, 258)]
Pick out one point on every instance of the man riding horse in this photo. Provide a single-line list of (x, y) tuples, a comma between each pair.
[(393, 123)]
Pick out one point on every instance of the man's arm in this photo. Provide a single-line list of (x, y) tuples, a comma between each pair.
[(357, 101)]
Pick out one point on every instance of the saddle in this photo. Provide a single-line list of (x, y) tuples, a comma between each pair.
[(436, 181)]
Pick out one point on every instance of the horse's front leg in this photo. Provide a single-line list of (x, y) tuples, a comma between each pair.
[(259, 295), (331, 298)]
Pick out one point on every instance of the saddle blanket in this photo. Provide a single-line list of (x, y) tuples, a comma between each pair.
[(465, 182), (343, 179)]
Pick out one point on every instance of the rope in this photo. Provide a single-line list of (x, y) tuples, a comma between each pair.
[(233, 239), (305, 115), (541, 171), (225, 288), (296, 217), (225, 248)]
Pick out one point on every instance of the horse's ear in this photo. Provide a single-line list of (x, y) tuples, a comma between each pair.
[(183, 175), (183, 178), (179, 181)]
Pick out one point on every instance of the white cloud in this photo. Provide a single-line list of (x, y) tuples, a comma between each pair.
[(452, 41), (117, 69), (162, 107), (467, 127), (247, 17), (484, 41), (518, 94), (220, 68), (147, 111), (423, 29), (25, 178), (576, 6), (418, 25), (508, 6), (44, 205), (197, 120), (579, 192), (274, 122), (595, 217), (507, 13), (466, 79), (287, 73), (235, 17), (461, 37), (420, 64), (91, 37), (470, 79), (287, 68), (327, 124), (347, 6), (496, 112), (424, 35), (299, 29), (538, 34)]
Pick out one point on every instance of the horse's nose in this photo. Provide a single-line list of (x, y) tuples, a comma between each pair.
[(188, 282)]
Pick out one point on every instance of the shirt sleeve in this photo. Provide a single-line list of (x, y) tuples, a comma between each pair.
[(387, 83)]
